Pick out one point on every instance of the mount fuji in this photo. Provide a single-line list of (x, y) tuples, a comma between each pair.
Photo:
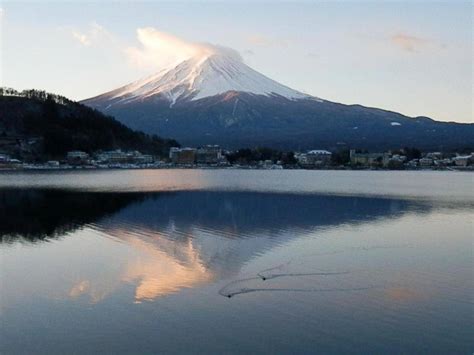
[(215, 98)]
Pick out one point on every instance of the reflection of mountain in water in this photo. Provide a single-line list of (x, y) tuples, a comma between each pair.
[(40, 214), (183, 239), (227, 229)]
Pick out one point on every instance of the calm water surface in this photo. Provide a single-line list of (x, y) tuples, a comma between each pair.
[(236, 261)]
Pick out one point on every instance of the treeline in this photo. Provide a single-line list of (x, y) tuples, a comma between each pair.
[(40, 95), (64, 125)]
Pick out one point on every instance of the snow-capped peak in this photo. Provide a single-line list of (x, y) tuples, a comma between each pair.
[(213, 71)]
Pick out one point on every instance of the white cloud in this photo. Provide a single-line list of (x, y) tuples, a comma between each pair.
[(93, 35), (82, 38), (157, 49), (160, 49)]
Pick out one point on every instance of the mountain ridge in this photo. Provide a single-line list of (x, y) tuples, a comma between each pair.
[(217, 99)]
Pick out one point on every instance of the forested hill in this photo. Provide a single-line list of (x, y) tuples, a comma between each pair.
[(37, 125)]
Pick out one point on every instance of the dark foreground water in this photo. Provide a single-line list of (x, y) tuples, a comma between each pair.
[(236, 261)]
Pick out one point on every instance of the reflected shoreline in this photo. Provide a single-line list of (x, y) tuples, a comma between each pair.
[(39, 214)]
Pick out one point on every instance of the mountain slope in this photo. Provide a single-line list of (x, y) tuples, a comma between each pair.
[(216, 99), (37, 125)]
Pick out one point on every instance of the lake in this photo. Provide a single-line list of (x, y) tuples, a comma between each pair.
[(236, 261)]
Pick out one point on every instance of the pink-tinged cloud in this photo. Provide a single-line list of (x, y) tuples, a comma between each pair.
[(410, 43)]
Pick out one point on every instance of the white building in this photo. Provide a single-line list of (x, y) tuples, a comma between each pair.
[(464, 160), (314, 158)]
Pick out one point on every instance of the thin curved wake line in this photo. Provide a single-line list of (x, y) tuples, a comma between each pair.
[(273, 276), (249, 290)]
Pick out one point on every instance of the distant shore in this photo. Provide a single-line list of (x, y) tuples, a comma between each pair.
[(45, 167)]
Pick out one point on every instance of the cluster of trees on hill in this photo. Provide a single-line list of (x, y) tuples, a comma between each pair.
[(64, 125), (35, 94)]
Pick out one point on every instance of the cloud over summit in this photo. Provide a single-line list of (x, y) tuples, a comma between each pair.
[(159, 49)]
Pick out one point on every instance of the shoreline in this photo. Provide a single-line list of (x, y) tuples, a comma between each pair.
[(184, 167)]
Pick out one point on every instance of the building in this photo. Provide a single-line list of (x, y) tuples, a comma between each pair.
[(318, 156), (77, 157), (4, 158), (413, 163), (174, 153), (314, 158), (209, 154), (444, 162), (121, 157), (53, 163), (183, 155), (368, 159), (434, 155), (144, 158), (8, 163), (396, 161), (464, 160), (426, 162), (113, 157)]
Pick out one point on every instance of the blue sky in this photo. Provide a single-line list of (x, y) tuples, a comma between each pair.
[(412, 57)]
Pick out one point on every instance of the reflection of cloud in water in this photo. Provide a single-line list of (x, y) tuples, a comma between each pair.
[(83, 287), (402, 294), (159, 273), (152, 272), (95, 290)]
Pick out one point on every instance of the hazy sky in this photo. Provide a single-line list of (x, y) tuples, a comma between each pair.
[(412, 57)]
